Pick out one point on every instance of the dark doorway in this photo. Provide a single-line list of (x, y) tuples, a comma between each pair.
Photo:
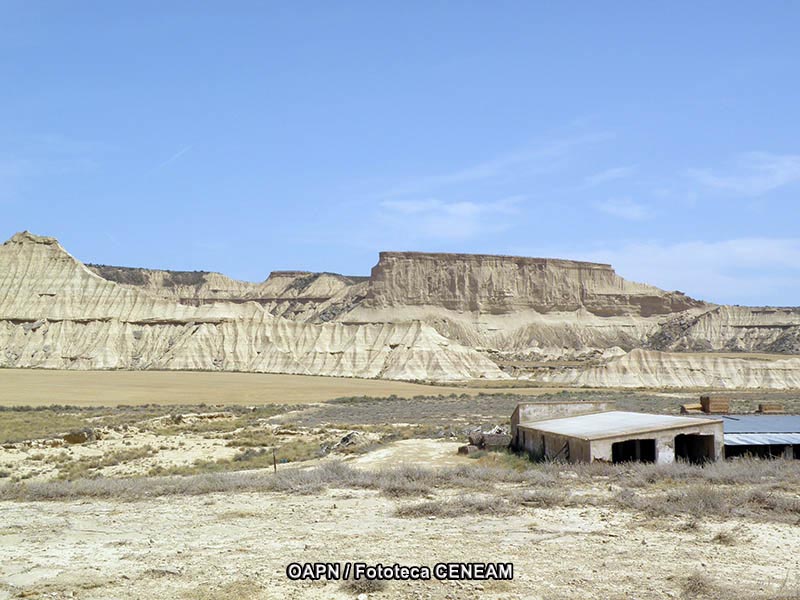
[(634, 450), (762, 451), (694, 448)]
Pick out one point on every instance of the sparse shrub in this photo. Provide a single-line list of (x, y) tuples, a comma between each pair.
[(404, 481), (725, 538), (364, 586), (543, 498), (697, 585), (468, 505)]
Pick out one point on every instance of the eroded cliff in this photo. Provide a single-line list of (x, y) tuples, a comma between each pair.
[(57, 313), (507, 284), (418, 316)]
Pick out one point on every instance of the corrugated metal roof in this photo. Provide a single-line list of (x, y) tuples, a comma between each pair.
[(760, 430), (612, 424), (761, 439), (761, 423)]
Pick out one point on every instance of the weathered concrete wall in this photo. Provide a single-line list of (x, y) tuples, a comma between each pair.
[(530, 412), (541, 445), (544, 445), (665, 442)]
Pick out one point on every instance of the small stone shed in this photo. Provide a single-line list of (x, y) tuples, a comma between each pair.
[(617, 436)]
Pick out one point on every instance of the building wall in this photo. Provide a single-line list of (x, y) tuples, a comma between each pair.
[(543, 445), (665, 442), (529, 412)]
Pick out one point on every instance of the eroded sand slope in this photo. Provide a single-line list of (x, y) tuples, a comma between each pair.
[(435, 317), (57, 313)]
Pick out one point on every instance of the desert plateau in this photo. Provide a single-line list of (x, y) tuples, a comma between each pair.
[(399, 301), (186, 435)]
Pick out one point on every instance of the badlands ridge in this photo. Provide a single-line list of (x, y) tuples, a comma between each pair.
[(418, 316)]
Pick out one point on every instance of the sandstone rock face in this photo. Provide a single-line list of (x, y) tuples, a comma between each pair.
[(57, 313), (297, 295), (647, 368), (419, 316), (507, 284), (733, 329)]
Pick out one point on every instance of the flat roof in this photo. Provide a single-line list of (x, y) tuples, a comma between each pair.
[(761, 439), (613, 423), (761, 423)]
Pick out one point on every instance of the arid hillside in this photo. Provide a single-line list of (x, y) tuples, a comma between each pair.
[(418, 316)]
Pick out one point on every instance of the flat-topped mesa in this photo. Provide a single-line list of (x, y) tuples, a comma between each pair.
[(504, 284)]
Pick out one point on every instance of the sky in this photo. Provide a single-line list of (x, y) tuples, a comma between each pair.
[(245, 137)]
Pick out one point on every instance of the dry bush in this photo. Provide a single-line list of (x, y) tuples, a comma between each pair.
[(364, 586), (726, 538), (774, 502), (19, 424), (87, 468), (466, 505), (694, 500), (699, 586), (404, 481), (677, 490), (543, 498)]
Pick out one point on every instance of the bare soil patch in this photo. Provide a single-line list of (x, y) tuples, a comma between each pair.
[(38, 387)]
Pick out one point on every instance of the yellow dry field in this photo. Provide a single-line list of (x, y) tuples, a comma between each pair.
[(32, 387)]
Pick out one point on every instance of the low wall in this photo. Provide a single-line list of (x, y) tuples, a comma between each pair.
[(530, 412)]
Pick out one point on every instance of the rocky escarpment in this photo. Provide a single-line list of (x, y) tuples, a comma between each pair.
[(507, 284), (57, 313), (419, 316), (647, 368), (731, 329), (502, 303), (297, 295)]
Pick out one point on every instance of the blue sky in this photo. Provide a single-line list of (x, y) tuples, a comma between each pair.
[(244, 137)]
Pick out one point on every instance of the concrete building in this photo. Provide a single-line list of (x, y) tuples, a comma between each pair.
[(617, 436), (527, 412), (766, 436)]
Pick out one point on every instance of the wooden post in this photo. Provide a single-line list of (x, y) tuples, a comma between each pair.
[(274, 461)]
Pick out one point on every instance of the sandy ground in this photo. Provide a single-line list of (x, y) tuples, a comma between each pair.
[(35, 387), (441, 453), (238, 545), (38, 460)]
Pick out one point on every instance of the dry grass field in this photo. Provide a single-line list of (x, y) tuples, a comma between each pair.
[(38, 387), (206, 485), (591, 532)]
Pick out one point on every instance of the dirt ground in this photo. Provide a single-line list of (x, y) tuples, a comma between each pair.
[(39, 387), (570, 532), (237, 545)]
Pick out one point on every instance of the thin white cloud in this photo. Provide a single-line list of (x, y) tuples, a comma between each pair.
[(525, 162), (172, 158), (624, 208), (744, 271), (757, 173), (434, 218), (612, 174), (40, 156)]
